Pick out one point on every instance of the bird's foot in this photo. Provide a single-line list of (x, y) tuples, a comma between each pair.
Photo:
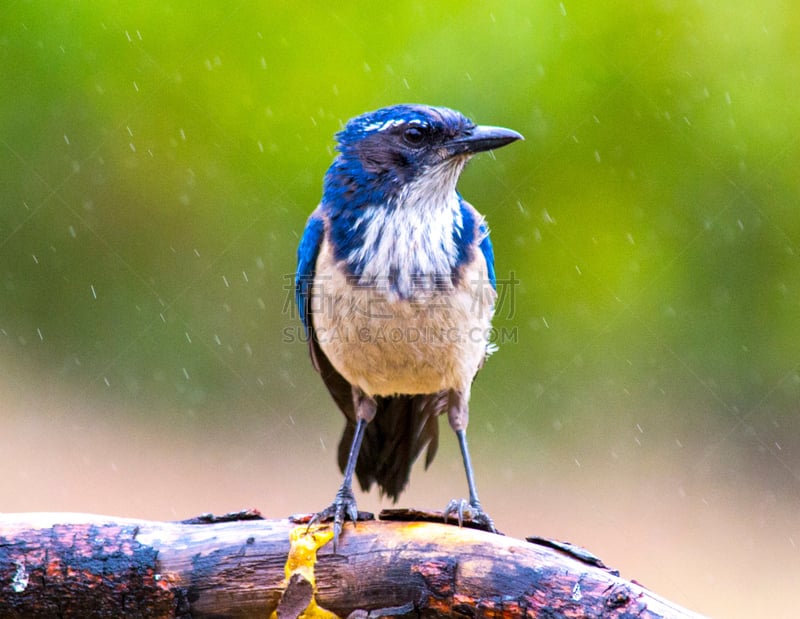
[(470, 512), (343, 507)]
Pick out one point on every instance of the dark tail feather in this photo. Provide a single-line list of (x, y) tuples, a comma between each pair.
[(403, 426)]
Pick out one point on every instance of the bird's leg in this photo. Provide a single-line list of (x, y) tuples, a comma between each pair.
[(344, 503), (458, 415)]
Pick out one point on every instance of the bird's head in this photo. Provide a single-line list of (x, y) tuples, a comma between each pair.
[(382, 152)]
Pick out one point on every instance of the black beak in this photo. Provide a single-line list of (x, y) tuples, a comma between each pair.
[(482, 138)]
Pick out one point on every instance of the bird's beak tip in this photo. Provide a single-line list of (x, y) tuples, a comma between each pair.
[(483, 138)]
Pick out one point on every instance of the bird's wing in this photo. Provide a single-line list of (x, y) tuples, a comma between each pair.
[(307, 253), (487, 251), (475, 230)]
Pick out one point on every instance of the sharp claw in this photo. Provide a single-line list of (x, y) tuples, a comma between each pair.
[(343, 507), (337, 531), (471, 512)]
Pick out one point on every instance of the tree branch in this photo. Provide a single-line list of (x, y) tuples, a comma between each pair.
[(78, 565)]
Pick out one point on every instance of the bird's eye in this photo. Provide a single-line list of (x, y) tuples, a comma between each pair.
[(413, 136)]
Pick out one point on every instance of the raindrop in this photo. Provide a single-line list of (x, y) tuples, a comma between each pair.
[(94, 292), (35, 259), (225, 280), (66, 139), (188, 337), (72, 232), (135, 86), (563, 9), (40, 334), (185, 373)]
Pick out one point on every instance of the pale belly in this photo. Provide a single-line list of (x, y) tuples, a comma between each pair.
[(385, 346)]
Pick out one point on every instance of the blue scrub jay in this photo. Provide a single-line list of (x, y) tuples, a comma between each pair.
[(395, 287)]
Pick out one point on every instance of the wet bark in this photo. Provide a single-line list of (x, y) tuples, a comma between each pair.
[(78, 565)]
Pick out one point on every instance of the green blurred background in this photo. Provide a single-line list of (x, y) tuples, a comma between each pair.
[(158, 161)]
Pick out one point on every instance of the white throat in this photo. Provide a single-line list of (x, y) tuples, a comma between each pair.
[(412, 241)]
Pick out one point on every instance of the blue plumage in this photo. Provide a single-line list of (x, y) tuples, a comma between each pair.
[(307, 253), (391, 286), (485, 245)]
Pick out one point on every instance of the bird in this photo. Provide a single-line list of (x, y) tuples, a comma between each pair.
[(395, 287)]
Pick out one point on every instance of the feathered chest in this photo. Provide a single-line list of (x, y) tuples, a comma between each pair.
[(409, 248)]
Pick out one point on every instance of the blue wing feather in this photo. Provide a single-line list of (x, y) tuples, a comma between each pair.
[(487, 251), (307, 253), (466, 236)]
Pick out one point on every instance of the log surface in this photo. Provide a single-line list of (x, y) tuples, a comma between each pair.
[(79, 565)]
